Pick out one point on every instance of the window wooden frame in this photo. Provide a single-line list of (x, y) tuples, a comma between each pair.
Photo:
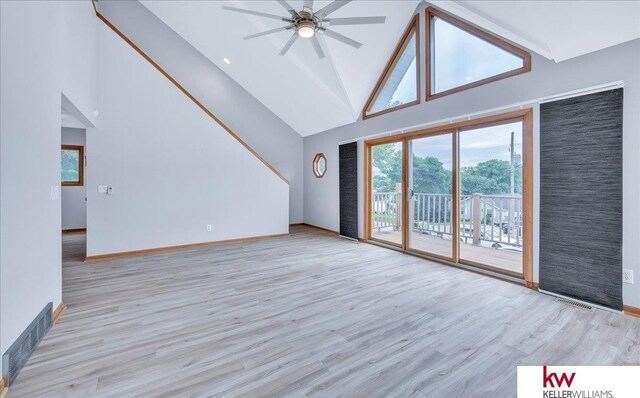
[(413, 28), (316, 160), (80, 181), (481, 34), (526, 117)]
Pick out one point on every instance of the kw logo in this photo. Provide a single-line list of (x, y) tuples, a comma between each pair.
[(549, 379)]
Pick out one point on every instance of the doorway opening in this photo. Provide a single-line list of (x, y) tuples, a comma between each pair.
[(73, 183)]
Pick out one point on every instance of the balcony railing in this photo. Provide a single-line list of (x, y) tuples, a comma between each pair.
[(496, 219), (387, 211)]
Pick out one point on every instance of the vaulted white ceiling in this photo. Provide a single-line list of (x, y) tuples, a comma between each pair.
[(308, 93), (313, 95)]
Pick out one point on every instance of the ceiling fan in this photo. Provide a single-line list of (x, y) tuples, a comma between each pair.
[(306, 23)]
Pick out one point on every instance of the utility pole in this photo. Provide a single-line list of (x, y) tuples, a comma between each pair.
[(513, 168), (513, 181)]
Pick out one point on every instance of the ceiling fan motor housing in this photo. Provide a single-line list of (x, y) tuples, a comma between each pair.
[(306, 21)]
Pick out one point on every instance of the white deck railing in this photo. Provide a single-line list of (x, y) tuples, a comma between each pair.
[(488, 218), (387, 211)]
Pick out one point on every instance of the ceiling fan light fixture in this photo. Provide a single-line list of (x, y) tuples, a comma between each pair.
[(306, 23), (306, 30)]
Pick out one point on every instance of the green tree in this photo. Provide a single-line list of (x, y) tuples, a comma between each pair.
[(491, 177), (388, 161), (430, 176)]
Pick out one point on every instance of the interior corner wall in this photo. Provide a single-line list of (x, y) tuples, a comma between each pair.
[(173, 169), (620, 62), (254, 123), (74, 205), (31, 83)]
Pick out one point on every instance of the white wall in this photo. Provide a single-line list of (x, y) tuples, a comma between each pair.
[(622, 62), (172, 168), (31, 84), (74, 205), (262, 130), (78, 51)]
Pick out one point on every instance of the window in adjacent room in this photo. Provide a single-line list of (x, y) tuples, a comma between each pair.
[(72, 165)]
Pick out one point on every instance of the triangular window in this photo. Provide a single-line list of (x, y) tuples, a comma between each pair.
[(398, 87), (461, 56)]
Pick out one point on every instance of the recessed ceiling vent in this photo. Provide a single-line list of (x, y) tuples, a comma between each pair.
[(17, 355)]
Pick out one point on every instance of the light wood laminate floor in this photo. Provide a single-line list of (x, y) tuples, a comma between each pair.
[(305, 315)]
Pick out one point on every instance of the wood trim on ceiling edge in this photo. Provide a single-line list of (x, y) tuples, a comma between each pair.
[(188, 94), (156, 250)]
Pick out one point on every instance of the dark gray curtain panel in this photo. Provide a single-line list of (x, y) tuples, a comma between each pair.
[(348, 154), (581, 197)]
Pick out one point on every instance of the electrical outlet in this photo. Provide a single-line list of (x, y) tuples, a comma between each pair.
[(627, 276), (208, 227)]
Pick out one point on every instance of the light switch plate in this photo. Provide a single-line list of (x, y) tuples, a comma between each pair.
[(102, 188)]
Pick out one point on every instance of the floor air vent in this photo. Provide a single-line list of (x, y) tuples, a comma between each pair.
[(17, 355), (574, 304)]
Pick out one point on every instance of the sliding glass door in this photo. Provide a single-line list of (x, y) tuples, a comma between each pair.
[(386, 196), (461, 194), (431, 207), (491, 207)]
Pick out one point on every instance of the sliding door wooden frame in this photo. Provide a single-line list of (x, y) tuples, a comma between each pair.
[(523, 115), (455, 217), (454, 189), (527, 197), (526, 202), (369, 189), (405, 195)]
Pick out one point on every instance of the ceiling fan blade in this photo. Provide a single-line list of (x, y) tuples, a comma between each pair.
[(308, 4), (258, 13), (289, 44), (355, 21), (268, 32), (316, 46), (331, 7), (342, 38), (287, 7)]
